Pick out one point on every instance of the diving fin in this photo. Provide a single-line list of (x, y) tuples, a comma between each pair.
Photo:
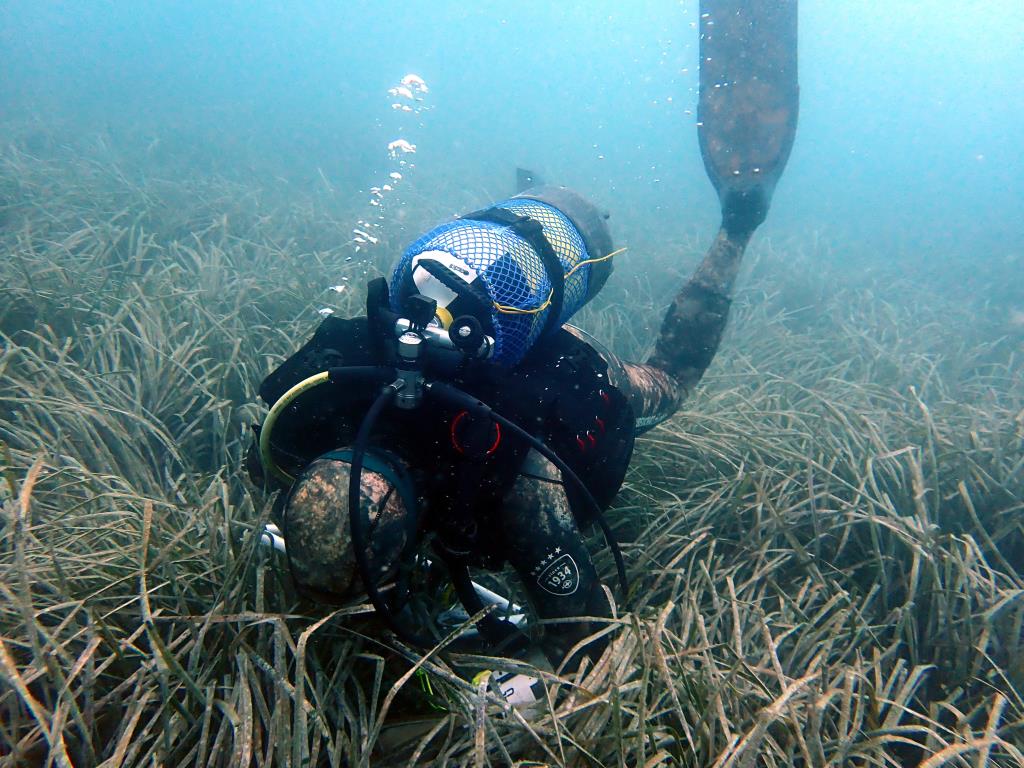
[(749, 102), (747, 113)]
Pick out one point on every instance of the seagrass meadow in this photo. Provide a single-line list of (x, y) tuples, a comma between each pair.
[(825, 546)]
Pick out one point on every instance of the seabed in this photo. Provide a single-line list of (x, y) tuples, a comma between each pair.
[(826, 546)]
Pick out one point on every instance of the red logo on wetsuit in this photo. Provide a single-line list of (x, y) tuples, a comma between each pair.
[(459, 440)]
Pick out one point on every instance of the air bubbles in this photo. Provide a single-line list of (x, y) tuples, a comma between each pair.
[(400, 146), (362, 237), (408, 96), (415, 83)]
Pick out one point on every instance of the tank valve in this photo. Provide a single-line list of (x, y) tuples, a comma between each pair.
[(410, 393)]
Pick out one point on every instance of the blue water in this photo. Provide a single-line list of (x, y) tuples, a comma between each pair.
[(912, 113)]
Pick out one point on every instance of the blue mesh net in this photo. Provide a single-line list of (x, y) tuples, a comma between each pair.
[(512, 271)]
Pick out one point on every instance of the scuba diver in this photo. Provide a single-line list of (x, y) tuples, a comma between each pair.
[(464, 410)]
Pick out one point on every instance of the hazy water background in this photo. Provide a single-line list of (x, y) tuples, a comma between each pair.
[(179, 182), (910, 135)]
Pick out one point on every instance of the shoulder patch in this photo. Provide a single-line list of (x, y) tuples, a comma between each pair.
[(561, 577)]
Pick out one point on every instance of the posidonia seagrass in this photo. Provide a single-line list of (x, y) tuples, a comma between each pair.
[(824, 545)]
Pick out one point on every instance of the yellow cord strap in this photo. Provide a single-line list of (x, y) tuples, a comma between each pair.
[(507, 310), (266, 454)]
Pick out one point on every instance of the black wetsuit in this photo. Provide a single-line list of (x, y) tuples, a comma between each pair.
[(464, 472)]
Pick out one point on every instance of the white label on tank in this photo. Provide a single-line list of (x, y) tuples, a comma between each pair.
[(433, 288), (453, 263)]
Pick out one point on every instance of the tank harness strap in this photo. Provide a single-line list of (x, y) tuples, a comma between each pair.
[(532, 231)]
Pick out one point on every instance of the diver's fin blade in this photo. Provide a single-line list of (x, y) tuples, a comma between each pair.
[(526, 179), (749, 99)]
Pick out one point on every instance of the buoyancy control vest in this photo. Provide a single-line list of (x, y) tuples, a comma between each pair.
[(560, 393)]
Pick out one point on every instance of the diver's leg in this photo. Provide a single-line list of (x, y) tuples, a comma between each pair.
[(693, 326), (689, 338), (746, 133), (653, 393), (544, 545), (316, 522)]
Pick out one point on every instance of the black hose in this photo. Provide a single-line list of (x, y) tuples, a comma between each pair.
[(502, 633), (609, 537), (375, 373), (368, 372), (360, 523), (462, 399)]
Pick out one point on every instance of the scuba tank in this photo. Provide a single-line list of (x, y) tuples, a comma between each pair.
[(426, 372), (521, 267)]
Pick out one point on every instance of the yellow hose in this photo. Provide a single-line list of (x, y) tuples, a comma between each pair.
[(266, 458)]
